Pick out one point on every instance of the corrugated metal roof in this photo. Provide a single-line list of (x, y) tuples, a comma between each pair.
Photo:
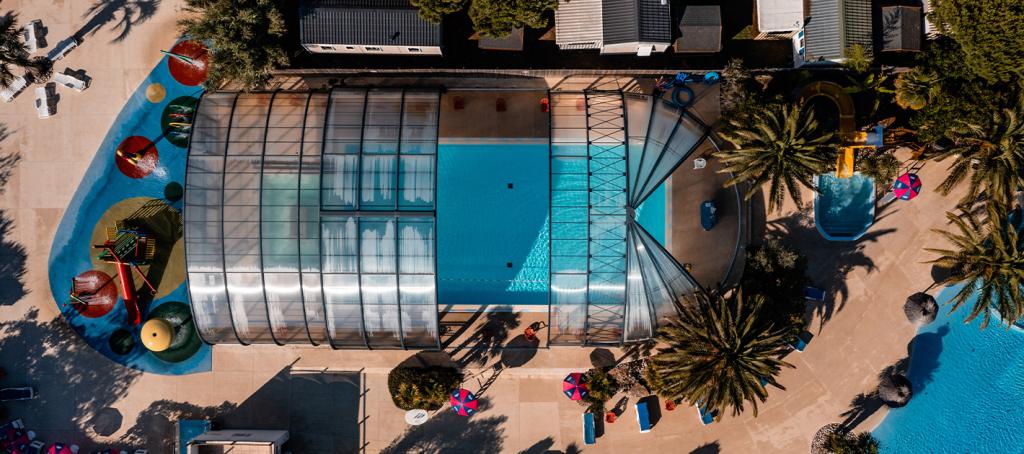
[(365, 22), (578, 24), (780, 15), (628, 21), (901, 28), (835, 25), (701, 29)]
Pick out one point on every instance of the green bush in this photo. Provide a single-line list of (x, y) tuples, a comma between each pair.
[(601, 387), (780, 274), (426, 388)]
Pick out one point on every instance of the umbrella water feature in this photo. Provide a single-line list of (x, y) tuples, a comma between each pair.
[(895, 390), (464, 403), (907, 186), (920, 308), (574, 386)]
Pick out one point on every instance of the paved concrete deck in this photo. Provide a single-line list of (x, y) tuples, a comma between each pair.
[(88, 400)]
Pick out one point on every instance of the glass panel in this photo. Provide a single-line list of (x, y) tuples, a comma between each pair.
[(416, 246), (381, 124), (672, 276), (312, 296), (279, 214), (210, 127), (340, 247), (344, 319), (662, 124), (639, 319), (419, 310), (344, 122), (685, 139), (248, 124), (416, 182), (248, 308), (284, 130), (313, 135), (340, 177), (568, 308), (380, 310), (377, 182), (285, 307), (377, 245), (209, 300)]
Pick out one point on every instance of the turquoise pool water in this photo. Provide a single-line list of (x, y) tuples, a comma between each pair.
[(968, 390), (492, 223), (844, 208)]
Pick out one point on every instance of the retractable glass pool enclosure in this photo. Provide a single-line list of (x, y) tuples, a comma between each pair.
[(310, 217)]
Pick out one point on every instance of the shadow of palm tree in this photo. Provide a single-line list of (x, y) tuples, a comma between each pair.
[(447, 432), (544, 447), (708, 448), (76, 384), (12, 254), (829, 262), (122, 14), (488, 339)]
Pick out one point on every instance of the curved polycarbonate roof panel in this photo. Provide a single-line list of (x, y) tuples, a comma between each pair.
[(309, 218)]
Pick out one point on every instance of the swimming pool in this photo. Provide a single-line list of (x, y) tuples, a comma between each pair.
[(968, 390), (492, 223), (844, 208)]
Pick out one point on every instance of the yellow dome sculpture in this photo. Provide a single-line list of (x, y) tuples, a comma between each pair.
[(157, 335)]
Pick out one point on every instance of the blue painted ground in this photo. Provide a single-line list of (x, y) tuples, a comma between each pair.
[(968, 390), (102, 187), (483, 225), (844, 208)]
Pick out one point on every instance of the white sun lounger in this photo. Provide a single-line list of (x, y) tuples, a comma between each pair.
[(30, 32), (69, 80), (44, 104), (17, 86), (63, 48)]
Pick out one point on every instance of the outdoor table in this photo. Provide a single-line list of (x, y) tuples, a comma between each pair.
[(416, 417)]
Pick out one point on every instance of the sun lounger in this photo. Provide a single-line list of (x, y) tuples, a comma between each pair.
[(23, 393), (801, 341), (643, 417), (63, 48), (589, 429), (708, 216), (71, 80), (706, 417), (36, 447), (44, 104), (30, 33), (16, 87), (814, 294)]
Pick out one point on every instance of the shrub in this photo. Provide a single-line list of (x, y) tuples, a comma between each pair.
[(840, 442), (601, 388), (881, 165), (631, 378), (427, 388), (780, 274)]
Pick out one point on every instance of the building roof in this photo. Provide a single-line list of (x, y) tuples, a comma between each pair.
[(629, 21), (779, 15), (701, 29), (578, 24), (365, 22), (901, 28), (852, 20)]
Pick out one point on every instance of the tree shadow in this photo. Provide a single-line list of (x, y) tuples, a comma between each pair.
[(519, 351), (319, 410), (447, 432), (708, 448), (829, 262), (12, 254), (544, 447), (76, 384), (861, 408), (924, 351), (488, 339), (123, 15)]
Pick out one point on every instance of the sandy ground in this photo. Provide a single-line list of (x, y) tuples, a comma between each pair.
[(86, 399)]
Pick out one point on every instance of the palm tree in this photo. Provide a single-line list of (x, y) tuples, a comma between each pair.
[(245, 38), (852, 443), (915, 88), (719, 350), (874, 85), (780, 147), (14, 55), (989, 260), (990, 157)]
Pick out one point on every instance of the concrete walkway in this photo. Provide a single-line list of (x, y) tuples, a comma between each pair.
[(87, 399)]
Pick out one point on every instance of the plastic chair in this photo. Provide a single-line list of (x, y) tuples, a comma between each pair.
[(711, 78)]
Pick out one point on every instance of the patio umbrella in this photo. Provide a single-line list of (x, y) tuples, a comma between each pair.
[(907, 186), (574, 386), (59, 448), (895, 390), (920, 308), (463, 402)]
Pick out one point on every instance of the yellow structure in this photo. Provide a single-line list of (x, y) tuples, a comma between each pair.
[(157, 335), (844, 163)]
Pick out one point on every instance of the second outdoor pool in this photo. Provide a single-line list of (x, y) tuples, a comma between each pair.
[(844, 208)]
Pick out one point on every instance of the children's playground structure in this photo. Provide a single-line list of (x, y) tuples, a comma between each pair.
[(127, 248)]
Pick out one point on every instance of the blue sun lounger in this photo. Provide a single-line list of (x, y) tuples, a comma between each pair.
[(801, 341), (643, 417), (706, 417), (589, 429), (814, 294)]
